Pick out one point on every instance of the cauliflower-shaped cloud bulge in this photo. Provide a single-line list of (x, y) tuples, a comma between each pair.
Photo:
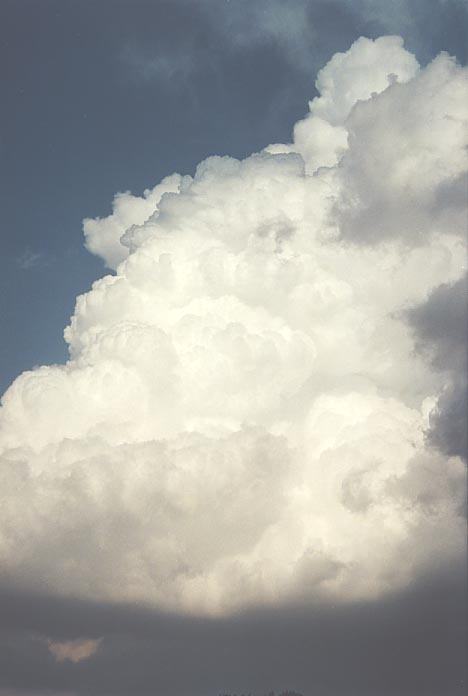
[(243, 419)]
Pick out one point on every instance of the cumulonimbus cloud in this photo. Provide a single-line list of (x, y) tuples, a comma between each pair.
[(244, 416)]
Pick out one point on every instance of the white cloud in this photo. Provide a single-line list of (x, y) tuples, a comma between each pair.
[(242, 419), (368, 68), (73, 650), (102, 235)]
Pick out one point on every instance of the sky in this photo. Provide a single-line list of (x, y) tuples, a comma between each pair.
[(241, 465)]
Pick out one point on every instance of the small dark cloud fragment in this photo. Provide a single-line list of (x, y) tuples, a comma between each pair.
[(441, 328)]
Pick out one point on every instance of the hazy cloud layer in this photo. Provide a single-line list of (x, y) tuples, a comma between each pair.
[(244, 417), (306, 32), (412, 644)]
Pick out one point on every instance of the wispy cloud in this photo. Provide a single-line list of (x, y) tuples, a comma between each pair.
[(32, 259), (149, 65)]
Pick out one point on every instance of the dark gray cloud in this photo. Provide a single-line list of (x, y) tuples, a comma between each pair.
[(448, 422), (441, 327), (412, 644)]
